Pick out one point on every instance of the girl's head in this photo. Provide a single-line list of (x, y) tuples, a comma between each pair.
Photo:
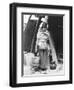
[(45, 19)]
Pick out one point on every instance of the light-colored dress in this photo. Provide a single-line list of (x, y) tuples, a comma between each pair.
[(43, 48)]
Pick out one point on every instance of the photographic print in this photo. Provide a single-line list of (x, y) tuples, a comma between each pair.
[(40, 44)]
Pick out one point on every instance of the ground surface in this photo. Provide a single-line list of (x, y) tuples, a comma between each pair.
[(58, 71)]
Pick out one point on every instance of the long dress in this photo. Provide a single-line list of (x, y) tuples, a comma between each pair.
[(43, 48)]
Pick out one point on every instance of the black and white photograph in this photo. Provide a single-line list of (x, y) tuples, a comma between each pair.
[(40, 44)]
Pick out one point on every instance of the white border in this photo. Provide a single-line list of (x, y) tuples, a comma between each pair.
[(65, 45)]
